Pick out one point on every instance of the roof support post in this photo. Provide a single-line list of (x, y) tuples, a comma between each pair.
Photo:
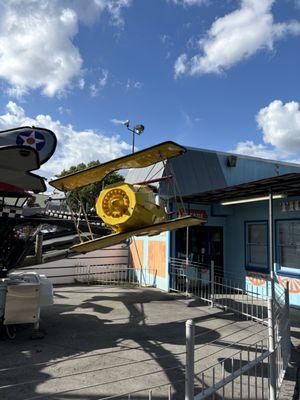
[(271, 322), (271, 243), (187, 282)]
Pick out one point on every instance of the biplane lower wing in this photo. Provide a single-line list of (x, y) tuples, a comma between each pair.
[(151, 230), (140, 159)]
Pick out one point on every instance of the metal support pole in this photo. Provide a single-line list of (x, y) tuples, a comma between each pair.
[(212, 282), (133, 137), (39, 248), (141, 277), (271, 327), (271, 244), (187, 283), (189, 364), (287, 310), (271, 343), (287, 296)]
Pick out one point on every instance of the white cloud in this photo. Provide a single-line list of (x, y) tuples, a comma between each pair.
[(235, 37), (74, 146), (188, 3), (64, 110), (256, 150), (280, 127), (81, 83), (180, 66), (189, 120), (95, 88), (36, 41), (114, 7), (165, 38), (280, 124), (167, 43), (131, 84), (117, 121)]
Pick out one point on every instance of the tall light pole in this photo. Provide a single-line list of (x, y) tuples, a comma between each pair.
[(137, 130)]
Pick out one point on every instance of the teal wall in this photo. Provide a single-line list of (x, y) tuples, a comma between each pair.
[(233, 220), (148, 275), (235, 243), (251, 169)]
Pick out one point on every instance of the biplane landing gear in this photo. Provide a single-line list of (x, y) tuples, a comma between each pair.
[(7, 331), (11, 331)]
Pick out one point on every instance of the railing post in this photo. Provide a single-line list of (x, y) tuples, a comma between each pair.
[(271, 343), (141, 277), (187, 282), (189, 367), (287, 297), (212, 282), (287, 314), (39, 248)]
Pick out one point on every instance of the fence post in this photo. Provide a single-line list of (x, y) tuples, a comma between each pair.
[(189, 364), (141, 277), (187, 282), (287, 313), (39, 248), (271, 343), (287, 298), (212, 282)]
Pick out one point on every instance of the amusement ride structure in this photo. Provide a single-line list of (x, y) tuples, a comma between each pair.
[(127, 210)]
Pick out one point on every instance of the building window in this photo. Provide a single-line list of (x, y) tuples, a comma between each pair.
[(257, 244), (288, 244)]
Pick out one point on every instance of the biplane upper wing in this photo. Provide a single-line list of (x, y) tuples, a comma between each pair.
[(140, 159), (151, 230)]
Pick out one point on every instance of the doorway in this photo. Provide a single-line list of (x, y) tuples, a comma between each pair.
[(205, 245)]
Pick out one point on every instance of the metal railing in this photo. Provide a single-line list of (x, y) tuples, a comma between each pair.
[(206, 283), (251, 367), (114, 275), (242, 375), (257, 370)]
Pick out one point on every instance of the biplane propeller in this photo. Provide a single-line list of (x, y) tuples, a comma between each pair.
[(128, 209)]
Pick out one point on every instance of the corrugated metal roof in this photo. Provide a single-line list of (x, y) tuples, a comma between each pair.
[(288, 184), (141, 174), (200, 170), (196, 171)]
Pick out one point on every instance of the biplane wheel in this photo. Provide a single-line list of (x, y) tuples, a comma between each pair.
[(11, 331)]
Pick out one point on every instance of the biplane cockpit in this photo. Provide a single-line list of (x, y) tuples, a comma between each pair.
[(128, 209)]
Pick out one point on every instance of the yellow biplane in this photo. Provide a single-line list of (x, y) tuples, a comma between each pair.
[(128, 209)]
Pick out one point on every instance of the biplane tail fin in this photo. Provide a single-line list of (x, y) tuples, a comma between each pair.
[(151, 230)]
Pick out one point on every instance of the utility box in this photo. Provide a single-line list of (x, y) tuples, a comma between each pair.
[(22, 303)]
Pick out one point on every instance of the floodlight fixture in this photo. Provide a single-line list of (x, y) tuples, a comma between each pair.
[(137, 130)]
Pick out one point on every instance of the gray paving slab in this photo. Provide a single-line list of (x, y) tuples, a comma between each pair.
[(105, 341), (290, 388)]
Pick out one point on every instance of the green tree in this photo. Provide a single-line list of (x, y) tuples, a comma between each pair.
[(88, 194)]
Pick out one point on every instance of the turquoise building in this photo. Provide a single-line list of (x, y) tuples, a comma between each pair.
[(235, 236)]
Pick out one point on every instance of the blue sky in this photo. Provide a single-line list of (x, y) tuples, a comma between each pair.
[(219, 74)]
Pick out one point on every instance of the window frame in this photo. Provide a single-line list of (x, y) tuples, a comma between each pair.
[(255, 267), (281, 269)]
